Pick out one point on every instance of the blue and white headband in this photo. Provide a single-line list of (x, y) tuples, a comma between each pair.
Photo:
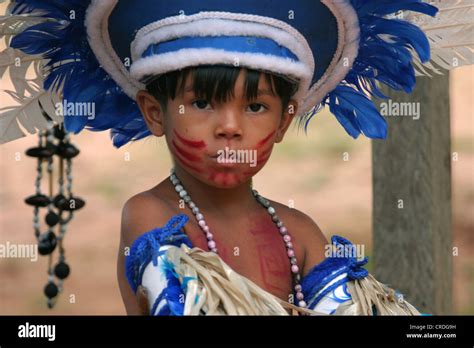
[(237, 34), (338, 50)]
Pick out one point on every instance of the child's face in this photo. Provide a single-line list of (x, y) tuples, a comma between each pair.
[(202, 136)]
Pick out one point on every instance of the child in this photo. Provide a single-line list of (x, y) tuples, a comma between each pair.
[(222, 190), (215, 79)]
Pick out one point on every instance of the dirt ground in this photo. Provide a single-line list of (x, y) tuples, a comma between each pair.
[(311, 174)]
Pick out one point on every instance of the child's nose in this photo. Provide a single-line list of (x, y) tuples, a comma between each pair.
[(229, 125)]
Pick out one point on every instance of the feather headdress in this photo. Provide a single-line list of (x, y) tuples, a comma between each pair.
[(83, 51)]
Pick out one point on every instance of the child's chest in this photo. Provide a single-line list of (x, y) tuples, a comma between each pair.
[(255, 249)]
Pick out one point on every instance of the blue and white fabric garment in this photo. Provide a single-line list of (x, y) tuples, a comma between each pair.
[(325, 286)]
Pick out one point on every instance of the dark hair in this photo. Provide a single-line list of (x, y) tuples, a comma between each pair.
[(216, 82)]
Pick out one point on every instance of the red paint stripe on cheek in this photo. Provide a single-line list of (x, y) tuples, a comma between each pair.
[(191, 143), (264, 153), (261, 161), (264, 140), (185, 154), (186, 164)]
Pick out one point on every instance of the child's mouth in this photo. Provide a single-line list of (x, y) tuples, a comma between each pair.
[(223, 162)]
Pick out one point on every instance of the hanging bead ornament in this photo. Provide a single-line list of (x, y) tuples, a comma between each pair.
[(54, 141)]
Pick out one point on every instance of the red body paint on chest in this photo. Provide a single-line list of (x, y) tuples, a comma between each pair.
[(272, 258)]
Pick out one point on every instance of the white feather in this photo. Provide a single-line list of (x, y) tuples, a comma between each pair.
[(26, 75), (451, 35), (16, 24), (28, 114)]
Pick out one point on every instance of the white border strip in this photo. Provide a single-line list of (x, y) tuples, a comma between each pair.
[(192, 57), (349, 35), (96, 23), (349, 32), (220, 27), (226, 24), (267, 23), (328, 284)]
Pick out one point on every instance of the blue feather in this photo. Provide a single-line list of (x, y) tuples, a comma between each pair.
[(39, 39), (357, 113), (385, 7), (404, 33), (73, 66), (384, 57)]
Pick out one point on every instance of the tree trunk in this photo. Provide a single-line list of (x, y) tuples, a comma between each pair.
[(412, 196)]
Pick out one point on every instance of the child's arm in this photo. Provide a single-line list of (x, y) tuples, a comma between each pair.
[(311, 237), (315, 245), (128, 297), (140, 214)]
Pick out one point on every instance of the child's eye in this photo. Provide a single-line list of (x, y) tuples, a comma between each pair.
[(201, 104), (255, 107)]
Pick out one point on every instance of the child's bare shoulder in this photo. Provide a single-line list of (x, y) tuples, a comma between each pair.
[(306, 230), (142, 213), (303, 223)]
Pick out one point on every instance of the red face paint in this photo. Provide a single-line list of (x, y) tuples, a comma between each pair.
[(187, 155), (264, 140), (263, 154), (191, 143), (188, 165), (225, 178), (190, 151), (193, 155)]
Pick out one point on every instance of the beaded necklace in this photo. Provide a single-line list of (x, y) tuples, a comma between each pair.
[(266, 204)]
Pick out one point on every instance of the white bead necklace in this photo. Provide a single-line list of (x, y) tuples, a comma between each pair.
[(265, 203)]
